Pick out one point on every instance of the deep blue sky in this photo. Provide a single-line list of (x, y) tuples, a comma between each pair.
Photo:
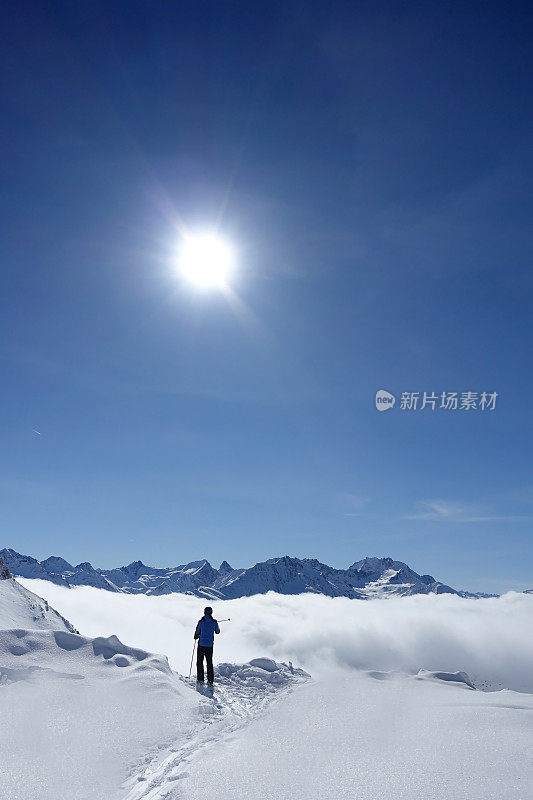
[(371, 164)]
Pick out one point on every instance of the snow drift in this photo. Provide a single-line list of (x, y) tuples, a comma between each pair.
[(79, 713)]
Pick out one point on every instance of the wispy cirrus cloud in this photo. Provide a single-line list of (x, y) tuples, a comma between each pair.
[(453, 511), (353, 503)]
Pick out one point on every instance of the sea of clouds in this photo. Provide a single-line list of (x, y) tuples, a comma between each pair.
[(488, 638)]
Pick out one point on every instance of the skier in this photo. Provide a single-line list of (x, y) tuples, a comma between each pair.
[(205, 632)]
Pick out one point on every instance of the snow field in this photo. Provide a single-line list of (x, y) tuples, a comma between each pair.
[(242, 692), (362, 738)]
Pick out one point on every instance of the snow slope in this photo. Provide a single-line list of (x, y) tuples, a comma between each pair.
[(358, 738), (242, 693), (20, 608), (79, 713), (107, 722), (97, 720)]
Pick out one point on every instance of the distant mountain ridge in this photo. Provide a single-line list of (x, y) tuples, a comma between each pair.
[(368, 578)]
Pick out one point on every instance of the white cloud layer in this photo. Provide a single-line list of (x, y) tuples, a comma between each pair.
[(488, 638)]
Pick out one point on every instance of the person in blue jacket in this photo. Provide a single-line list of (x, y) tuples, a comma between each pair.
[(205, 632)]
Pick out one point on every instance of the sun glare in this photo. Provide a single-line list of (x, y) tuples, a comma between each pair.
[(206, 261)]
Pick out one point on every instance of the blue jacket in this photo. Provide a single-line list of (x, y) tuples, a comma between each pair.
[(205, 631)]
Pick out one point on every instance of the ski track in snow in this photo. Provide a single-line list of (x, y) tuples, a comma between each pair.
[(242, 692)]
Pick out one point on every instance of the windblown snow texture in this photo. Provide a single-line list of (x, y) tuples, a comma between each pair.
[(79, 715), (370, 577)]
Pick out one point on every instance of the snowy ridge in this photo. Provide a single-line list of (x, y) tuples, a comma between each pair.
[(21, 608), (368, 578), (43, 650)]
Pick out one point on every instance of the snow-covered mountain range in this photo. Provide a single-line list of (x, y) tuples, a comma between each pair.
[(370, 577)]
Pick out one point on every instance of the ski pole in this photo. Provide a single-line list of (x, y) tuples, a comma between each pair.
[(192, 657), (224, 620)]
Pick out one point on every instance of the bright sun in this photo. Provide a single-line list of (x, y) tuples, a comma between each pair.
[(206, 261)]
